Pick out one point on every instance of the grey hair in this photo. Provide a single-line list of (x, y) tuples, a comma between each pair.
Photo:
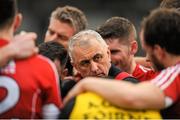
[(83, 38)]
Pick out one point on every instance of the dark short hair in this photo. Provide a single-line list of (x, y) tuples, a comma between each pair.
[(8, 10), (71, 15), (162, 27), (117, 27), (54, 50), (170, 4)]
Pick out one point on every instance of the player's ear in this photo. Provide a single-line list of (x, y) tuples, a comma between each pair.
[(65, 72), (17, 21), (134, 47)]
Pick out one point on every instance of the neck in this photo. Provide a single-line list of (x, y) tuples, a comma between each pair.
[(171, 60), (132, 65), (6, 34)]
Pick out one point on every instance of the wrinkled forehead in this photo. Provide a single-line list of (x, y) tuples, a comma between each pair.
[(86, 41), (87, 49)]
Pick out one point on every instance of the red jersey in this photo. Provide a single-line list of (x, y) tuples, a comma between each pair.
[(169, 82), (143, 74), (29, 88)]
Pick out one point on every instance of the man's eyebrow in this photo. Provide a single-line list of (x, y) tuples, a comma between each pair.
[(114, 50), (62, 35)]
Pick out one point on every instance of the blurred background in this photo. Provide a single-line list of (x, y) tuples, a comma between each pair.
[(36, 13)]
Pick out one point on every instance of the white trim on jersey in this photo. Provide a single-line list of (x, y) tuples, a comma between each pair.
[(144, 69), (54, 69), (171, 79), (164, 76), (168, 101), (50, 111), (167, 76), (34, 100)]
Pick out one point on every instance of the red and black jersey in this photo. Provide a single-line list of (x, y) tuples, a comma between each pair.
[(29, 88)]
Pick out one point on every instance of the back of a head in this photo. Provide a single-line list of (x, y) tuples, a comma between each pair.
[(54, 50), (72, 16), (84, 39), (170, 4), (8, 10), (162, 27), (117, 27)]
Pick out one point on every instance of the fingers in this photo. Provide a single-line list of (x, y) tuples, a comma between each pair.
[(72, 93), (26, 36), (36, 50), (24, 45), (67, 98)]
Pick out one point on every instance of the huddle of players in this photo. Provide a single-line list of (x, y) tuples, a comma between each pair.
[(32, 84)]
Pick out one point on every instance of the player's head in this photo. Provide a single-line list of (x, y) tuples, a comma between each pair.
[(8, 15), (56, 52), (64, 23), (161, 33), (89, 54), (120, 34), (170, 4)]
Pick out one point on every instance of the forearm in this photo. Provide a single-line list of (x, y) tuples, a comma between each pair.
[(143, 61), (127, 95)]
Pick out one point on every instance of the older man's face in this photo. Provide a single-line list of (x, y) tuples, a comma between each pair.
[(92, 60)]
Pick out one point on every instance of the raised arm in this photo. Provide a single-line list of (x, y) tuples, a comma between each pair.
[(21, 47)]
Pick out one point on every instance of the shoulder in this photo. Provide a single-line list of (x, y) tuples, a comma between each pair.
[(141, 69), (167, 76), (38, 65), (39, 62)]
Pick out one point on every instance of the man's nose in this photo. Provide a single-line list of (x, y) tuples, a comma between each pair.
[(94, 66)]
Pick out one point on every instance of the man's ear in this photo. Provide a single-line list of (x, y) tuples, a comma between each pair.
[(134, 47), (65, 72), (109, 53), (17, 21)]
